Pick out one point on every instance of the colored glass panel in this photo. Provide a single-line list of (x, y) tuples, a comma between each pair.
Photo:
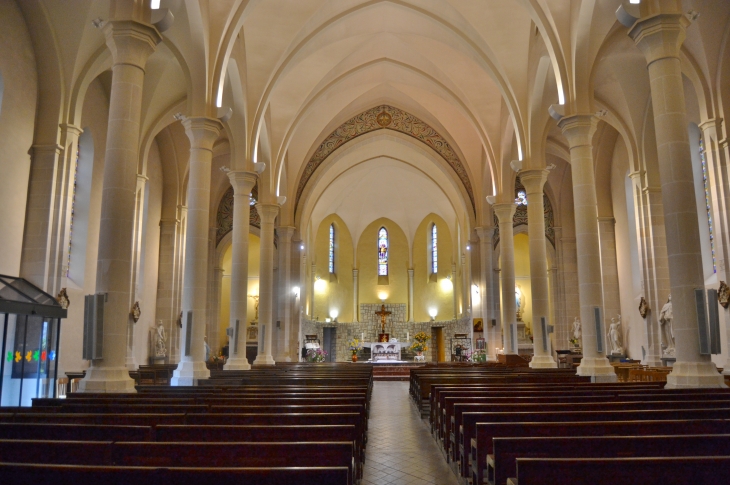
[(382, 252), (708, 206), (332, 248), (434, 250)]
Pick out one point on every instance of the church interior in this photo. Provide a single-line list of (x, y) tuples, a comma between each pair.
[(417, 212)]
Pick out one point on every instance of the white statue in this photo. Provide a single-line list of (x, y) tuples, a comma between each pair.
[(160, 341), (614, 336), (667, 333), (576, 329), (207, 348)]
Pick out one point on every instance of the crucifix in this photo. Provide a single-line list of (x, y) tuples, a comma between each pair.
[(383, 315)]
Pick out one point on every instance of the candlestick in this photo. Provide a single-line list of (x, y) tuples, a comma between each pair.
[(362, 336), (408, 337)]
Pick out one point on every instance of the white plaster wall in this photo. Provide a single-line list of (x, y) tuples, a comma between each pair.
[(147, 286), (17, 118), (628, 268)]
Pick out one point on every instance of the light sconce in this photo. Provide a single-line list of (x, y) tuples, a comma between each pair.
[(432, 313), (301, 247), (383, 296), (468, 248), (334, 314), (320, 284), (475, 297), (296, 290), (446, 284)]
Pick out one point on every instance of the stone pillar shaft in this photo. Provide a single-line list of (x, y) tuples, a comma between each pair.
[(505, 212), (131, 44), (534, 181), (579, 129), (355, 292), (242, 183), (609, 269), (410, 294), (165, 305), (659, 36), (268, 213), (202, 133), (491, 333), (285, 292)]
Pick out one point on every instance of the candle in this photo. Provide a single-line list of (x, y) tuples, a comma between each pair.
[(362, 336), (408, 337)]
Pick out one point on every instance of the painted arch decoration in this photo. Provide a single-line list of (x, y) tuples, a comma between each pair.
[(224, 216), (520, 217), (388, 118)]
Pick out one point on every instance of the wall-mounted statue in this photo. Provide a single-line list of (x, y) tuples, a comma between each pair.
[(667, 334)]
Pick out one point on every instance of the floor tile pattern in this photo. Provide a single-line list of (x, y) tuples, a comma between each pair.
[(400, 447)]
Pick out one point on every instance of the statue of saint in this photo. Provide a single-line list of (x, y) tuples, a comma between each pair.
[(576, 329), (160, 341), (614, 336), (667, 333), (207, 348)]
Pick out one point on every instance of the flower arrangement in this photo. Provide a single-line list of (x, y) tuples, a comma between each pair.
[(419, 346), (575, 342), (354, 345), (422, 337), (217, 359), (316, 355)]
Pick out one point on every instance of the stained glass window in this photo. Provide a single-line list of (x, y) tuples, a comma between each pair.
[(708, 206), (521, 198), (73, 206), (382, 252), (332, 248), (434, 250)]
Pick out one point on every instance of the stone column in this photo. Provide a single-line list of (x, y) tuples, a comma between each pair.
[(453, 291), (312, 281), (268, 213), (505, 212), (355, 290), (211, 321), (131, 44), (137, 278), (182, 215), (534, 181), (659, 34), (165, 310), (285, 291), (491, 333), (410, 294), (579, 129), (214, 334), (202, 133), (609, 270), (242, 183)]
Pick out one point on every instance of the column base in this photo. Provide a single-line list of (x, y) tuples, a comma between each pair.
[(237, 363), (543, 362), (189, 373), (598, 369), (264, 360), (107, 379), (692, 375)]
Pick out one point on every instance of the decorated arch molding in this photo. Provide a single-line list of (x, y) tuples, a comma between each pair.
[(224, 215), (385, 117)]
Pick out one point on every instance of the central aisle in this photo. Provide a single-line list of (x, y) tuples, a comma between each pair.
[(400, 447)]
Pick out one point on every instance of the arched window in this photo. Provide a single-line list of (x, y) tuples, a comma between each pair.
[(434, 250), (332, 249), (81, 199), (703, 196), (382, 252), (708, 206)]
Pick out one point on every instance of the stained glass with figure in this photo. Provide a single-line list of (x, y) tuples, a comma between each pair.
[(434, 250), (708, 205), (332, 248), (382, 252)]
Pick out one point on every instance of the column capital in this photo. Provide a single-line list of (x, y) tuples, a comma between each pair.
[(131, 42), (285, 233), (242, 181), (202, 132), (485, 233), (267, 212), (68, 129), (37, 150), (578, 129), (505, 212), (660, 36), (534, 180), (710, 125), (355, 272), (410, 272)]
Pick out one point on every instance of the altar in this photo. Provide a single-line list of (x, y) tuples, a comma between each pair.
[(381, 351)]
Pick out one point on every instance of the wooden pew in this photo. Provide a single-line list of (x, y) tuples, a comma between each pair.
[(75, 432), (482, 444), (467, 415), (502, 464), (117, 475), (605, 471)]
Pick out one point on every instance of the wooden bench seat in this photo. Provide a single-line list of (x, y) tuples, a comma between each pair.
[(502, 464), (75, 432), (117, 475), (482, 444), (605, 471)]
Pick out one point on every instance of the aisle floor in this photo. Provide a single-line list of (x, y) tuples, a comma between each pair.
[(400, 447)]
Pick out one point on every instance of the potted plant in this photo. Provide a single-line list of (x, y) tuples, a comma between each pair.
[(316, 355), (355, 345)]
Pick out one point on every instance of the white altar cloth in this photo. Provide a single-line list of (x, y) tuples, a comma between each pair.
[(390, 351)]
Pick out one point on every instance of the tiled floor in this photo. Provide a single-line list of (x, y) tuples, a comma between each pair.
[(400, 448)]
